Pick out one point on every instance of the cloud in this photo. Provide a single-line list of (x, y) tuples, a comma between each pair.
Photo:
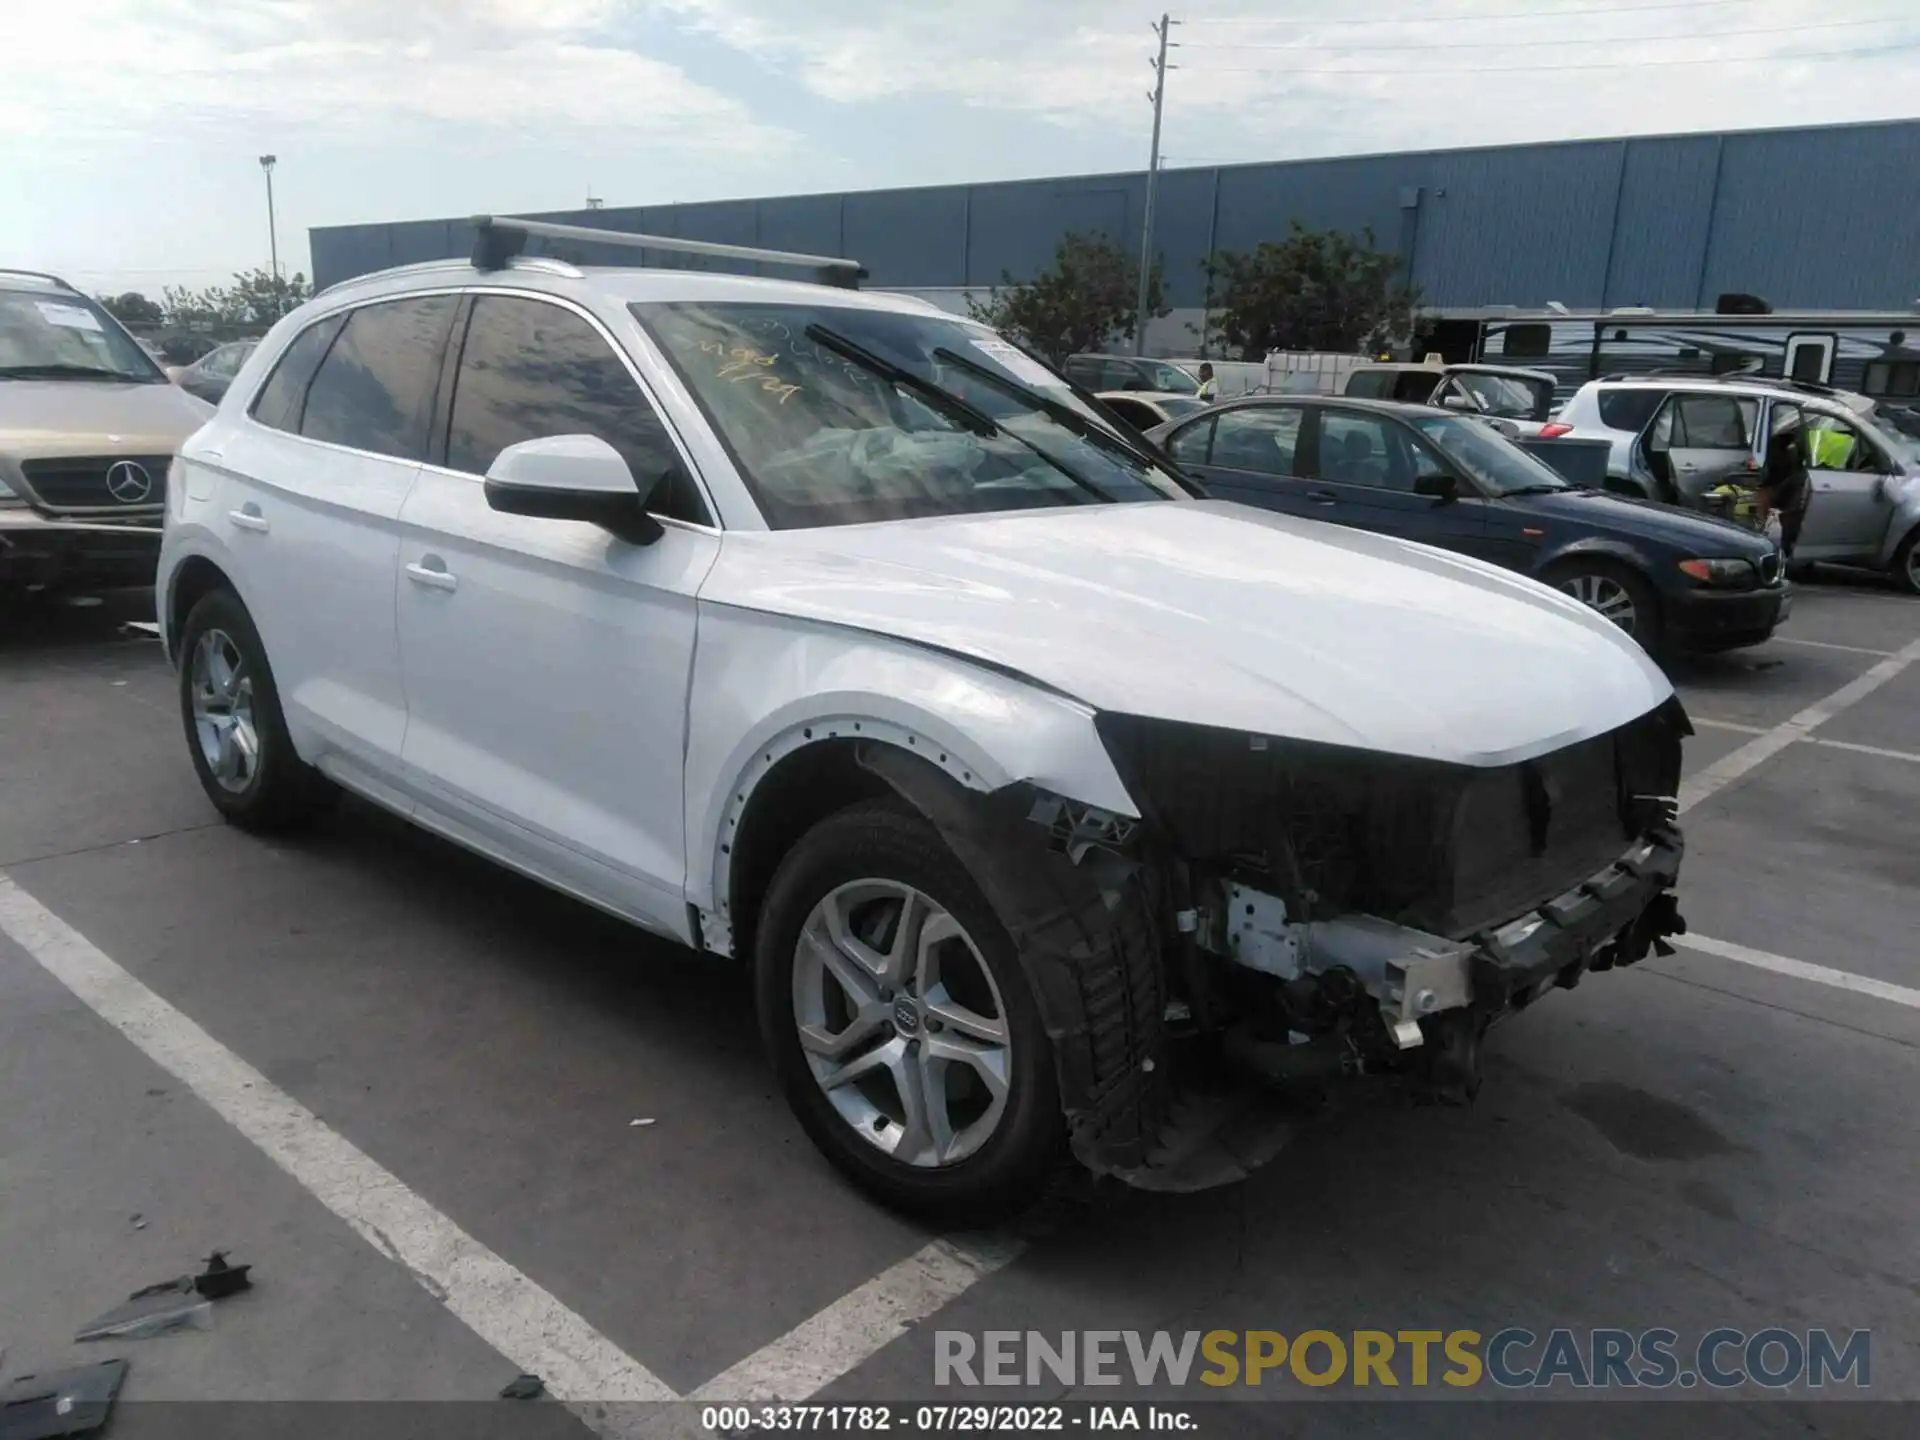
[(347, 68), (1249, 82)]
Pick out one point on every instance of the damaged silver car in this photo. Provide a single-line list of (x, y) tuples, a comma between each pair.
[(817, 628)]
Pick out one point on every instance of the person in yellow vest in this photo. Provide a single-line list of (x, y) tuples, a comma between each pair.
[(1209, 390)]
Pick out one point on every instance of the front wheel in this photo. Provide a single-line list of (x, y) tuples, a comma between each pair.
[(1906, 562), (235, 730), (901, 1024), (1616, 593)]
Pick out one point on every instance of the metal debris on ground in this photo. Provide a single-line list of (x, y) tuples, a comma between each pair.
[(524, 1387), (139, 1221), (61, 1402), (632, 1123)]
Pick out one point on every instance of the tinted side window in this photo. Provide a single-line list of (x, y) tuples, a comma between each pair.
[(531, 371), (1714, 422), (375, 389), (1083, 372), (1370, 384), (1260, 438), (1414, 387), (284, 395), (1628, 409), (1364, 450), (1189, 446)]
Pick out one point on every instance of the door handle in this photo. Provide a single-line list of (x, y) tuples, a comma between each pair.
[(1323, 497), (434, 577), (1686, 469), (248, 517)]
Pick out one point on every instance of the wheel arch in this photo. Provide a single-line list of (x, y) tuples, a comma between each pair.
[(191, 580)]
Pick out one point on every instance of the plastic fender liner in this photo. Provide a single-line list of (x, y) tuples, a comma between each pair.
[(1086, 934)]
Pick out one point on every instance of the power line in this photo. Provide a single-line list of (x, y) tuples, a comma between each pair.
[(1560, 41), (1463, 19), (1424, 70)]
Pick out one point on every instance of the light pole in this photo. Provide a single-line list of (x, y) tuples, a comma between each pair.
[(1158, 97), (267, 163)]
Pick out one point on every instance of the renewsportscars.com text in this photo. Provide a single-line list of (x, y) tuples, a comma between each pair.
[(1513, 1358)]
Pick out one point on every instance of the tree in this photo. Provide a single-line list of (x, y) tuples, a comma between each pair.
[(254, 301), (1315, 290), (132, 308), (1079, 303)]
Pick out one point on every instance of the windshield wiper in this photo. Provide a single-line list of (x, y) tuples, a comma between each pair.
[(1540, 489), (948, 404), (941, 399), (63, 372), (1063, 415)]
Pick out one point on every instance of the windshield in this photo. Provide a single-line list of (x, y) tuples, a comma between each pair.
[(838, 416), (58, 336), (1170, 379), (1512, 396), (1490, 458)]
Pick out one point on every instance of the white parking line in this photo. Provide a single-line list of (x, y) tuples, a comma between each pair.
[(1859, 749), (1801, 970), (858, 1325), (1705, 722), (1828, 645), (498, 1303), (1731, 766)]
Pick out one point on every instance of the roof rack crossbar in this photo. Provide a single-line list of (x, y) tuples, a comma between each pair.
[(498, 238), (35, 274)]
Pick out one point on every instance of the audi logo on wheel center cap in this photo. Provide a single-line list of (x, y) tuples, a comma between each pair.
[(128, 482), (906, 1016)]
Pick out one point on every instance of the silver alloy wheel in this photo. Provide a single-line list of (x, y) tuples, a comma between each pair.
[(223, 719), (1913, 567), (901, 1022), (1605, 594)]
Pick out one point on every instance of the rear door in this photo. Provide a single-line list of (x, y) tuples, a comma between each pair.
[(310, 512), (1253, 454), (1695, 441), (1848, 512)]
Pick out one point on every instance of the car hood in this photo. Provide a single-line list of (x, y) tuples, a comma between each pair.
[(1217, 614), (51, 418), (1697, 534)]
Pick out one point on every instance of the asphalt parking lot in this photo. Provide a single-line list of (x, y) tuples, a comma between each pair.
[(210, 1041)]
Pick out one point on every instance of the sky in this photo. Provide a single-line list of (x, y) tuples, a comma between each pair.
[(131, 130)]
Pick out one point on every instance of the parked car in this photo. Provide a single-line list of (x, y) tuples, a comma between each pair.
[(1143, 409), (1669, 579), (824, 630), (1128, 372), (88, 428), (1677, 439), (210, 375), (1524, 398)]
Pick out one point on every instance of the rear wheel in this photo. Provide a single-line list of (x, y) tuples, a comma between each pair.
[(1616, 593), (235, 730), (901, 1024)]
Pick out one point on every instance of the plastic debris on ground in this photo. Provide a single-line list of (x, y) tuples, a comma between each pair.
[(184, 1302), (61, 1402), (524, 1387), (632, 1123)]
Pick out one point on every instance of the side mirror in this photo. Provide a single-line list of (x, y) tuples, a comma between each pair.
[(573, 477), (1436, 485), (1453, 400)]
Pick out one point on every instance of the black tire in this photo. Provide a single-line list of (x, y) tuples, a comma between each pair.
[(1906, 563), (1649, 626), (282, 791), (1016, 1164)]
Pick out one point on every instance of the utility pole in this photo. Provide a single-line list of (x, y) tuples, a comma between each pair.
[(1158, 97), (267, 163)]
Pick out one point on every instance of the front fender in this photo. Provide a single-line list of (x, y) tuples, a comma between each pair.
[(1597, 547), (1905, 496), (766, 685)]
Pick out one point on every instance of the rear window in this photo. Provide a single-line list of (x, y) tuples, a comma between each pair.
[(1629, 409), (1370, 384)]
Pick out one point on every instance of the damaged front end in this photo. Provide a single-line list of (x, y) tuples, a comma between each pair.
[(1299, 912)]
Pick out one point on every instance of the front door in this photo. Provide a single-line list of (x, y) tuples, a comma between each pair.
[(1848, 511), (547, 662), (1365, 464), (1250, 453)]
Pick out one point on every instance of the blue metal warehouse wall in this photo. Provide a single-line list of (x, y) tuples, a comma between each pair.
[(1817, 218)]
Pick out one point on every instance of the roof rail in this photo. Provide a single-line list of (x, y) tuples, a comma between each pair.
[(498, 238), (37, 275)]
